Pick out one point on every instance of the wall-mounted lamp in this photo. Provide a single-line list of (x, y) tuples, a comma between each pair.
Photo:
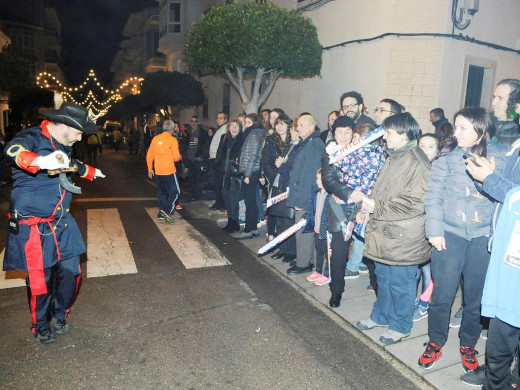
[(466, 9)]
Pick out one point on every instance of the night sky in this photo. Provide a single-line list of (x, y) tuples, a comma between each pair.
[(91, 33)]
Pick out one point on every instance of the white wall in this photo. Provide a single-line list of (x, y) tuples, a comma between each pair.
[(419, 72)]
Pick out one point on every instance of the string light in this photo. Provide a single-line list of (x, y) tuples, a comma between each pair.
[(95, 107)]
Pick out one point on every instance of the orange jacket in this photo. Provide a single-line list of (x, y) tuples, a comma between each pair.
[(162, 154)]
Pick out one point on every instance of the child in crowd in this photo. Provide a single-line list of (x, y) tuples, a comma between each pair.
[(354, 264), (429, 143), (318, 208)]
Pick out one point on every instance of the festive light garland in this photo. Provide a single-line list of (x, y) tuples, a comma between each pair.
[(95, 107)]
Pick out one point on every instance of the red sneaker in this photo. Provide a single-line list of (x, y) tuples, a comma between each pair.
[(178, 207), (469, 358), (430, 355)]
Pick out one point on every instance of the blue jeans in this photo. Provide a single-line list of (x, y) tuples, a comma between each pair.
[(395, 301), (358, 244), (426, 273), (461, 259)]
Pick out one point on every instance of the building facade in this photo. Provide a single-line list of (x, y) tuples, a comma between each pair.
[(407, 50), (139, 53)]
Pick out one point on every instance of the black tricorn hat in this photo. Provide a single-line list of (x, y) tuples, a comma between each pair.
[(72, 115)]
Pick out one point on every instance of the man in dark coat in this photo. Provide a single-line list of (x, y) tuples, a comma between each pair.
[(303, 176), (43, 237)]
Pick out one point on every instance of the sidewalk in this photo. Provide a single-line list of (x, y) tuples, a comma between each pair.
[(357, 304)]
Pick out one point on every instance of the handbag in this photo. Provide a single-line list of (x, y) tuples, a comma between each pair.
[(279, 209), (233, 169)]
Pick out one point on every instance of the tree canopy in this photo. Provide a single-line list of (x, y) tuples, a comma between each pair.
[(171, 90), (255, 40), (25, 103), (15, 71)]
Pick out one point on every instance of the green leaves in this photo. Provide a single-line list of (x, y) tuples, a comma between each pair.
[(255, 35), (171, 88), (14, 71)]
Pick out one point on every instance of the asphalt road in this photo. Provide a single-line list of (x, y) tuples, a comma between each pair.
[(239, 326)]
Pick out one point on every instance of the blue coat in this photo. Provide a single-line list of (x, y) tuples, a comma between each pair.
[(454, 202), (499, 183), (502, 285), (303, 174), (38, 195)]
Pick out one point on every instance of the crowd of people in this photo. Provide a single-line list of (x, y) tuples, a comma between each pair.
[(413, 209), (435, 209)]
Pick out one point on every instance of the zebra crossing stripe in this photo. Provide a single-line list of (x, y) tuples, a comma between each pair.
[(108, 250), (192, 248)]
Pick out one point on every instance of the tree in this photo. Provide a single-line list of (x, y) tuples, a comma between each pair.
[(170, 91), (26, 102), (254, 40), (126, 109), (15, 71)]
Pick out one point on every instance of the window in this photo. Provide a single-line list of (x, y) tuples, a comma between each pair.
[(474, 86), (22, 42), (152, 43), (477, 82), (174, 18)]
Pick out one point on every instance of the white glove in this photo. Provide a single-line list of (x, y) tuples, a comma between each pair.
[(98, 173), (51, 161)]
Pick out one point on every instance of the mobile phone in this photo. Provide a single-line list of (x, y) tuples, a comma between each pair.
[(13, 225), (471, 157)]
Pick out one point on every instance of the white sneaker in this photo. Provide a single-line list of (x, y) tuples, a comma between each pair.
[(367, 324), (392, 337)]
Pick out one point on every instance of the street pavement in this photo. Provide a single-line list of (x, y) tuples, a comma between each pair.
[(150, 314)]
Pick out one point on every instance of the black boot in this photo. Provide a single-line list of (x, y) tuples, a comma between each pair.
[(233, 227), (335, 300), (225, 228)]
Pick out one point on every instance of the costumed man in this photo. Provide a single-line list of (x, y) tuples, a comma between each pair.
[(44, 239), (160, 158)]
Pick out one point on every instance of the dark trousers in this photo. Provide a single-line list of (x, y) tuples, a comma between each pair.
[(322, 259), (92, 150), (461, 259), (503, 339), (61, 292), (195, 177), (218, 177), (338, 262), (231, 199), (288, 246), (371, 265), (167, 192), (271, 225), (249, 192)]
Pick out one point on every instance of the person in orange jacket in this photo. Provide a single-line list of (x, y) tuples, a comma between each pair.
[(160, 159)]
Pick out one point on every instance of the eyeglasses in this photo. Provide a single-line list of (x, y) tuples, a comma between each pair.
[(380, 110), (346, 107)]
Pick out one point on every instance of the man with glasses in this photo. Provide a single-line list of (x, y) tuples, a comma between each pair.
[(351, 105), (386, 108)]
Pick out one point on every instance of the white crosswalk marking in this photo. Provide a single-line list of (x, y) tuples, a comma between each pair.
[(109, 253), (11, 279), (108, 250), (193, 249)]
